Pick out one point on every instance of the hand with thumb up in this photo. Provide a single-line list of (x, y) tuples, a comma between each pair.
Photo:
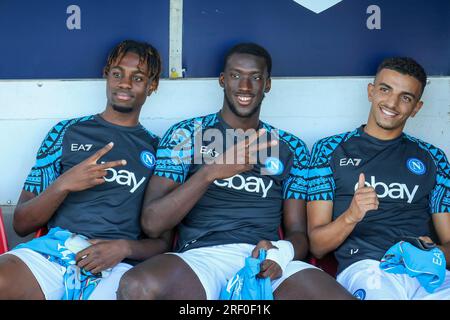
[(365, 199)]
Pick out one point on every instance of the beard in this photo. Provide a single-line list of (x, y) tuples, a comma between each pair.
[(239, 114), (122, 109), (387, 125)]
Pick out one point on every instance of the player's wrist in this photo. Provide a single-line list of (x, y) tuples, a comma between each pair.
[(208, 173), (61, 186), (282, 254), (126, 248), (349, 217)]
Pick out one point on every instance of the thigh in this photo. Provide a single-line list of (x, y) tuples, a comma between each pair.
[(34, 272), (215, 265), (366, 281), (107, 287), (164, 276), (17, 281), (310, 284)]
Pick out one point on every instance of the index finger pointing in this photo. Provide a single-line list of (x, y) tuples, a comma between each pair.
[(100, 153), (252, 138)]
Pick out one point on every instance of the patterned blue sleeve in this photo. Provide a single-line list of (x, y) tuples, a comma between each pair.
[(321, 185), (295, 186), (175, 152), (439, 198), (47, 167), (440, 195), (320, 175), (48, 160)]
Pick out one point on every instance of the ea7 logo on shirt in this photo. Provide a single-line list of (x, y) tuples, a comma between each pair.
[(80, 147), (124, 178), (394, 190), (210, 152), (349, 162), (249, 184), (437, 258)]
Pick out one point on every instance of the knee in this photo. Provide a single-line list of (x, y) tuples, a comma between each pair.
[(136, 286)]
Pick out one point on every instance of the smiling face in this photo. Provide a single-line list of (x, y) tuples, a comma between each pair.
[(395, 97), (245, 80), (128, 84)]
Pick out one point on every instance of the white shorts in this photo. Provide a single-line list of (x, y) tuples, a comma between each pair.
[(215, 265), (365, 280), (50, 275)]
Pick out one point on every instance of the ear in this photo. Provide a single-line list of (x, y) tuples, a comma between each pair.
[(370, 89), (105, 73), (416, 108), (152, 88), (268, 85), (222, 80)]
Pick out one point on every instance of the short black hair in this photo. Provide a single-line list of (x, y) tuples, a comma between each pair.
[(406, 66), (146, 52), (253, 49)]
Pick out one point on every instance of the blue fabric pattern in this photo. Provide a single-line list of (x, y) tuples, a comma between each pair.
[(295, 186), (321, 185), (440, 195), (245, 286), (78, 283), (428, 266), (176, 148), (48, 160)]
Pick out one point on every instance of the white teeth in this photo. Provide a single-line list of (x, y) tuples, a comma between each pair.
[(388, 113), (244, 99)]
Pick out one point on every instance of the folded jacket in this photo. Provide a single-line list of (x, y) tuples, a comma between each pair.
[(78, 283), (244, 285), (428, 266)]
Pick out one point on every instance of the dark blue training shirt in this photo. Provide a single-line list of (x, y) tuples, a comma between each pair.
[(110, 210), (410, 177), (245, 208)]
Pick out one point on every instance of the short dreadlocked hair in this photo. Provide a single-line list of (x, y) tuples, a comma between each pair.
[(146, 52), (406, 66)]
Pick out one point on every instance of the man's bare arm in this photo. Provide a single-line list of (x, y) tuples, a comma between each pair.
[(325, 235), (33, 212)]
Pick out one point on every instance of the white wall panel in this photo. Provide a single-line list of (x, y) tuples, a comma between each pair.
[(308, 107)]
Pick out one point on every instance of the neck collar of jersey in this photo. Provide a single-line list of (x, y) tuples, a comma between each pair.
[(102, 121), (227, 126), (376, 140)]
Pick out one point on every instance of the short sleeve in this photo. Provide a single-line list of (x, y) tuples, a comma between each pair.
[(295, 186), (175, 153), (440, 194), (47, 167), (321, 184)]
